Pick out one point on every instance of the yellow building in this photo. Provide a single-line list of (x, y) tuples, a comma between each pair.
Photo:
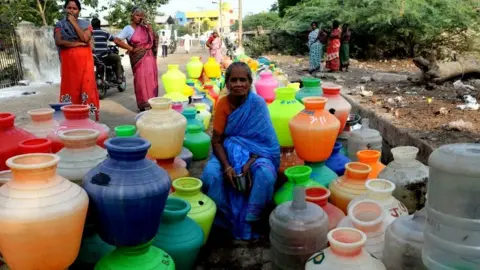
[(212, 17)]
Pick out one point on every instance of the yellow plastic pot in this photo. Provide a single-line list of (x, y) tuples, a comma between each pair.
[(174, 80)]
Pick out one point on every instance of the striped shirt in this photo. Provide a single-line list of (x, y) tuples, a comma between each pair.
[(101, 39)]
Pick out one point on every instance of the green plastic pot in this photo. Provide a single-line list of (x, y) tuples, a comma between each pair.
[(194, 68), (282, 110), (92, 249), (321, 173), (203, 208), (311, 88), (197, 141), (142, 257), (179, 235), (125, 131), (297, 176)]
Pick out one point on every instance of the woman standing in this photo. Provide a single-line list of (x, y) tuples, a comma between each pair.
[(333, 55), (72, 37), (315, 48), (142, 48), (345, 48), (241, 173), (215, 46)]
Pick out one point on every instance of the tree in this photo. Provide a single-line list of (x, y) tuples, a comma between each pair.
[(234, 27), (39, 12), (184, 29), (120, 13), (284, 4), (274, 7), (395, 27), (205, 26), (267, 20)]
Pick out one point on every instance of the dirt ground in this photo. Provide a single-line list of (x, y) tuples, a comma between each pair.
[(422, 111)]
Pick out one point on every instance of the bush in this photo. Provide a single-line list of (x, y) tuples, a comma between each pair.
[(387, 28), (288, 43), (257, 46)]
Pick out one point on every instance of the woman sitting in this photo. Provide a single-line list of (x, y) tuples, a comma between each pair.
[(241, 173)]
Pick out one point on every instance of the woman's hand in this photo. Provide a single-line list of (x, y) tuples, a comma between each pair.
[(135, 49), (230, 175), (72, 19), (80, 44), (246, 172)]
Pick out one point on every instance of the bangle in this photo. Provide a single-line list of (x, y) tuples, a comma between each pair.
[(228, 169)]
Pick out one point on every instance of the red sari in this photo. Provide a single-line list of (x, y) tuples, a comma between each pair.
[(78, 84), (144, 66), (333, 50)]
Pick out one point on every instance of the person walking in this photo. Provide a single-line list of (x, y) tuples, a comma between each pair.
[(142, 49), (215, 46), (345, 47), (333, 49), (315, 48), (72, 38), (164, 41), (202, 42)]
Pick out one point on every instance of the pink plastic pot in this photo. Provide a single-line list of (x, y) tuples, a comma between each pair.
[(266, 86)]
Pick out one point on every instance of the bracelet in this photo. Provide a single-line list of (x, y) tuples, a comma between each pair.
[(229, 168)]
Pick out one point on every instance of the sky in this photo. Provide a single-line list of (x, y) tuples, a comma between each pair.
[(249, 6)]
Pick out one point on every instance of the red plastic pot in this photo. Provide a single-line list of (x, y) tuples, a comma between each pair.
[(77, 117), (37, 145), (10, 136)]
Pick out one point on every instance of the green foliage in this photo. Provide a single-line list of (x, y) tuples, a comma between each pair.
[(234, 27), (27, 10), (388, 27), (284, 4), (274, 7), (119, 15), (184, 29), (267, 20), (257, 46), (205, 26)]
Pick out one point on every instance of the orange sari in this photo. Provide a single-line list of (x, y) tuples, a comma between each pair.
[(78, 84)]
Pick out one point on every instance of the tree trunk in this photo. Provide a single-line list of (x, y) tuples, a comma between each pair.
[(42, 12), (442, 72)]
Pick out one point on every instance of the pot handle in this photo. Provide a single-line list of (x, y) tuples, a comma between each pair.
[(100, 179)]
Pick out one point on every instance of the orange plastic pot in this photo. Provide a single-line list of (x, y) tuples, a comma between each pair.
[(314, 130), (350, 185), (372, 159), (175, 167)]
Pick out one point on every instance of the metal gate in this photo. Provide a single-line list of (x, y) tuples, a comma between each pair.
[(10, 64)]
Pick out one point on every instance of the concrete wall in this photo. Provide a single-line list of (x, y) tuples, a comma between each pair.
[(39, 55)]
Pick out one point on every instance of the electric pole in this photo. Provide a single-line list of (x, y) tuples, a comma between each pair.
[(240, 27), (221, 17)]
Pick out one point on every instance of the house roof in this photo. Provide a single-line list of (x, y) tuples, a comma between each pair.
[(164, 19)]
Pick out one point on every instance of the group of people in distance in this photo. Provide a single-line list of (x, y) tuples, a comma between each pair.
[(336, 45)]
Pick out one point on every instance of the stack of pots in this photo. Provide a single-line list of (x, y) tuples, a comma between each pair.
[(282, 110), (165, 129), (127, 195), (77, 116), (314, 131)]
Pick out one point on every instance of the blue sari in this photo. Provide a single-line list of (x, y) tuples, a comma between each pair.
[(248, 131)]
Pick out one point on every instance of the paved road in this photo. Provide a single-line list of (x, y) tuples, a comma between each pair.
[(116, 109)]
